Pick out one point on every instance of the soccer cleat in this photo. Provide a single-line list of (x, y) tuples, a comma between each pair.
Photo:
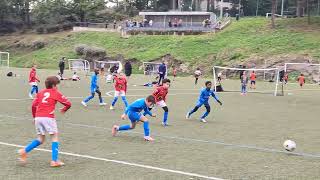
[(203, 120), (30, 96), (148, 138), (102, 104), (164, 124), (111, 107), (23, 156), (84, 104), (56, 164), (114, 130), (188, 115)]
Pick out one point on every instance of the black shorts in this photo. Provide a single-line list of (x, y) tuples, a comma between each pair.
[(253, 82)]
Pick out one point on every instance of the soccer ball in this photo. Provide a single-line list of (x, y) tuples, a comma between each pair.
[(289, 145)]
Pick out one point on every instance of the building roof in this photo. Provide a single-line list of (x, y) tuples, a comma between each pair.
[(176, 13)]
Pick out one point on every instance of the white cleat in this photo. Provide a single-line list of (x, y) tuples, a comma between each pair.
[(30, 96), (164, 124), (148, 138), (203, 120), (102, 104), (84, 104), (111, 107), (188, 116)]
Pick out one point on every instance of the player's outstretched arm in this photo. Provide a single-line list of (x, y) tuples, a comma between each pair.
[(64, 101), (146, 109)]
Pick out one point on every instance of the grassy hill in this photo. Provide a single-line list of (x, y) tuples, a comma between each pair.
[(241, 41)]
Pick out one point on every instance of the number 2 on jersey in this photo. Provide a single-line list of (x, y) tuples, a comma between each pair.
[(46, 96)]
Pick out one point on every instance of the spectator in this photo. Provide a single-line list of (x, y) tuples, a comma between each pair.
[(107, 24), (175, 23), (128, 69), (162, 72), (151, 23), (114, 24), (170, 23), (180, 23), (145, 23), (62, 65)]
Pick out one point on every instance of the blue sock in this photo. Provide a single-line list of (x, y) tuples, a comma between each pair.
[(100, 99), (165, 117), (205, 115), (124, 100), (36, 88), (124, 127), (35, 143), (33, 88), (115, 99), (88, 99), (55, 150), (146, 128)]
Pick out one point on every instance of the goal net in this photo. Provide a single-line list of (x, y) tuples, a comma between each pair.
[(109, 66), (4, 59), (310, 71), (79, 65), (151, 68), (229, 79)]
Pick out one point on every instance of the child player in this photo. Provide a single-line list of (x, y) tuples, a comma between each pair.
[(301, 80), (94, 88), (253, 80), (160, 94), (43, 107), (120, 87), (33, 79), (204, 100), (133, 112), (197, 74)]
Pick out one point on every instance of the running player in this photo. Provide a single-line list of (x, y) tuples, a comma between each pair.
[(94, 88), (33, 81), (43, 107), (204, 100), (120, 87), (197, 74), (133, 112)]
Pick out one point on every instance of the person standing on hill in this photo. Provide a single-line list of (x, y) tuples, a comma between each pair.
[(62, 66)]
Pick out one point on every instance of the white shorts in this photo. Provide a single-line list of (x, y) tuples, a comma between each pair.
[(45, 124), (33, 84), (161, 103), (119, 93)]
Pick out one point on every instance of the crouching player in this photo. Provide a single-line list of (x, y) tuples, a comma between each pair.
[(204, 100), (43, 107), (120, 87), (133, 112)]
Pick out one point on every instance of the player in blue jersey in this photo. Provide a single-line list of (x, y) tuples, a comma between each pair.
[(94, 88), (204, 100), (133, 112)]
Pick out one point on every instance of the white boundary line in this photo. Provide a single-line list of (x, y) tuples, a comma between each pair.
[(120, 162), (240, 146)]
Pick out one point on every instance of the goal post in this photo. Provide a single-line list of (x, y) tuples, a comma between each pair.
[(79, 65), (152, 68), (5, 59), (274, 76), (108, 65)]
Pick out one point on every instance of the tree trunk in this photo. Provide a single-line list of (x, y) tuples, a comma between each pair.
[(273, 11), (308, 11)]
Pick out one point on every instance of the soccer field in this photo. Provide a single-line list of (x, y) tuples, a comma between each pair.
[(242, 139)]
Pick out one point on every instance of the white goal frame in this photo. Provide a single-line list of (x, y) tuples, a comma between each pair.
[(85, 66), (111, 63), (308, 64), (277, 70), (7, 60), (154, 70)]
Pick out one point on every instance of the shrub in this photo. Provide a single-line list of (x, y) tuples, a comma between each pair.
[(52, 28), (38, 44)]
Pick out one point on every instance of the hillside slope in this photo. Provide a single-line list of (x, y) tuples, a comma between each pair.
[(250, 38)]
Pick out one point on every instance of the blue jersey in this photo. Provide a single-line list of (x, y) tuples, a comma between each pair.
[(94, 85), (205, 94), (138, 106)]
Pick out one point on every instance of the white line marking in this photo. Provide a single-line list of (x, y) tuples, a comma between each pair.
[(120, 162), (194, 140), (109, 93)]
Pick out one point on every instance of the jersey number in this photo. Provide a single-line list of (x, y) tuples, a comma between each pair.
[(46, 96)]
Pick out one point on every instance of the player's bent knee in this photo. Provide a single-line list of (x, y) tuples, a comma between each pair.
[(165, 109)]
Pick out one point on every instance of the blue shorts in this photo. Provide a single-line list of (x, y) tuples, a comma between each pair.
[(253, 82), (134, 116)]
